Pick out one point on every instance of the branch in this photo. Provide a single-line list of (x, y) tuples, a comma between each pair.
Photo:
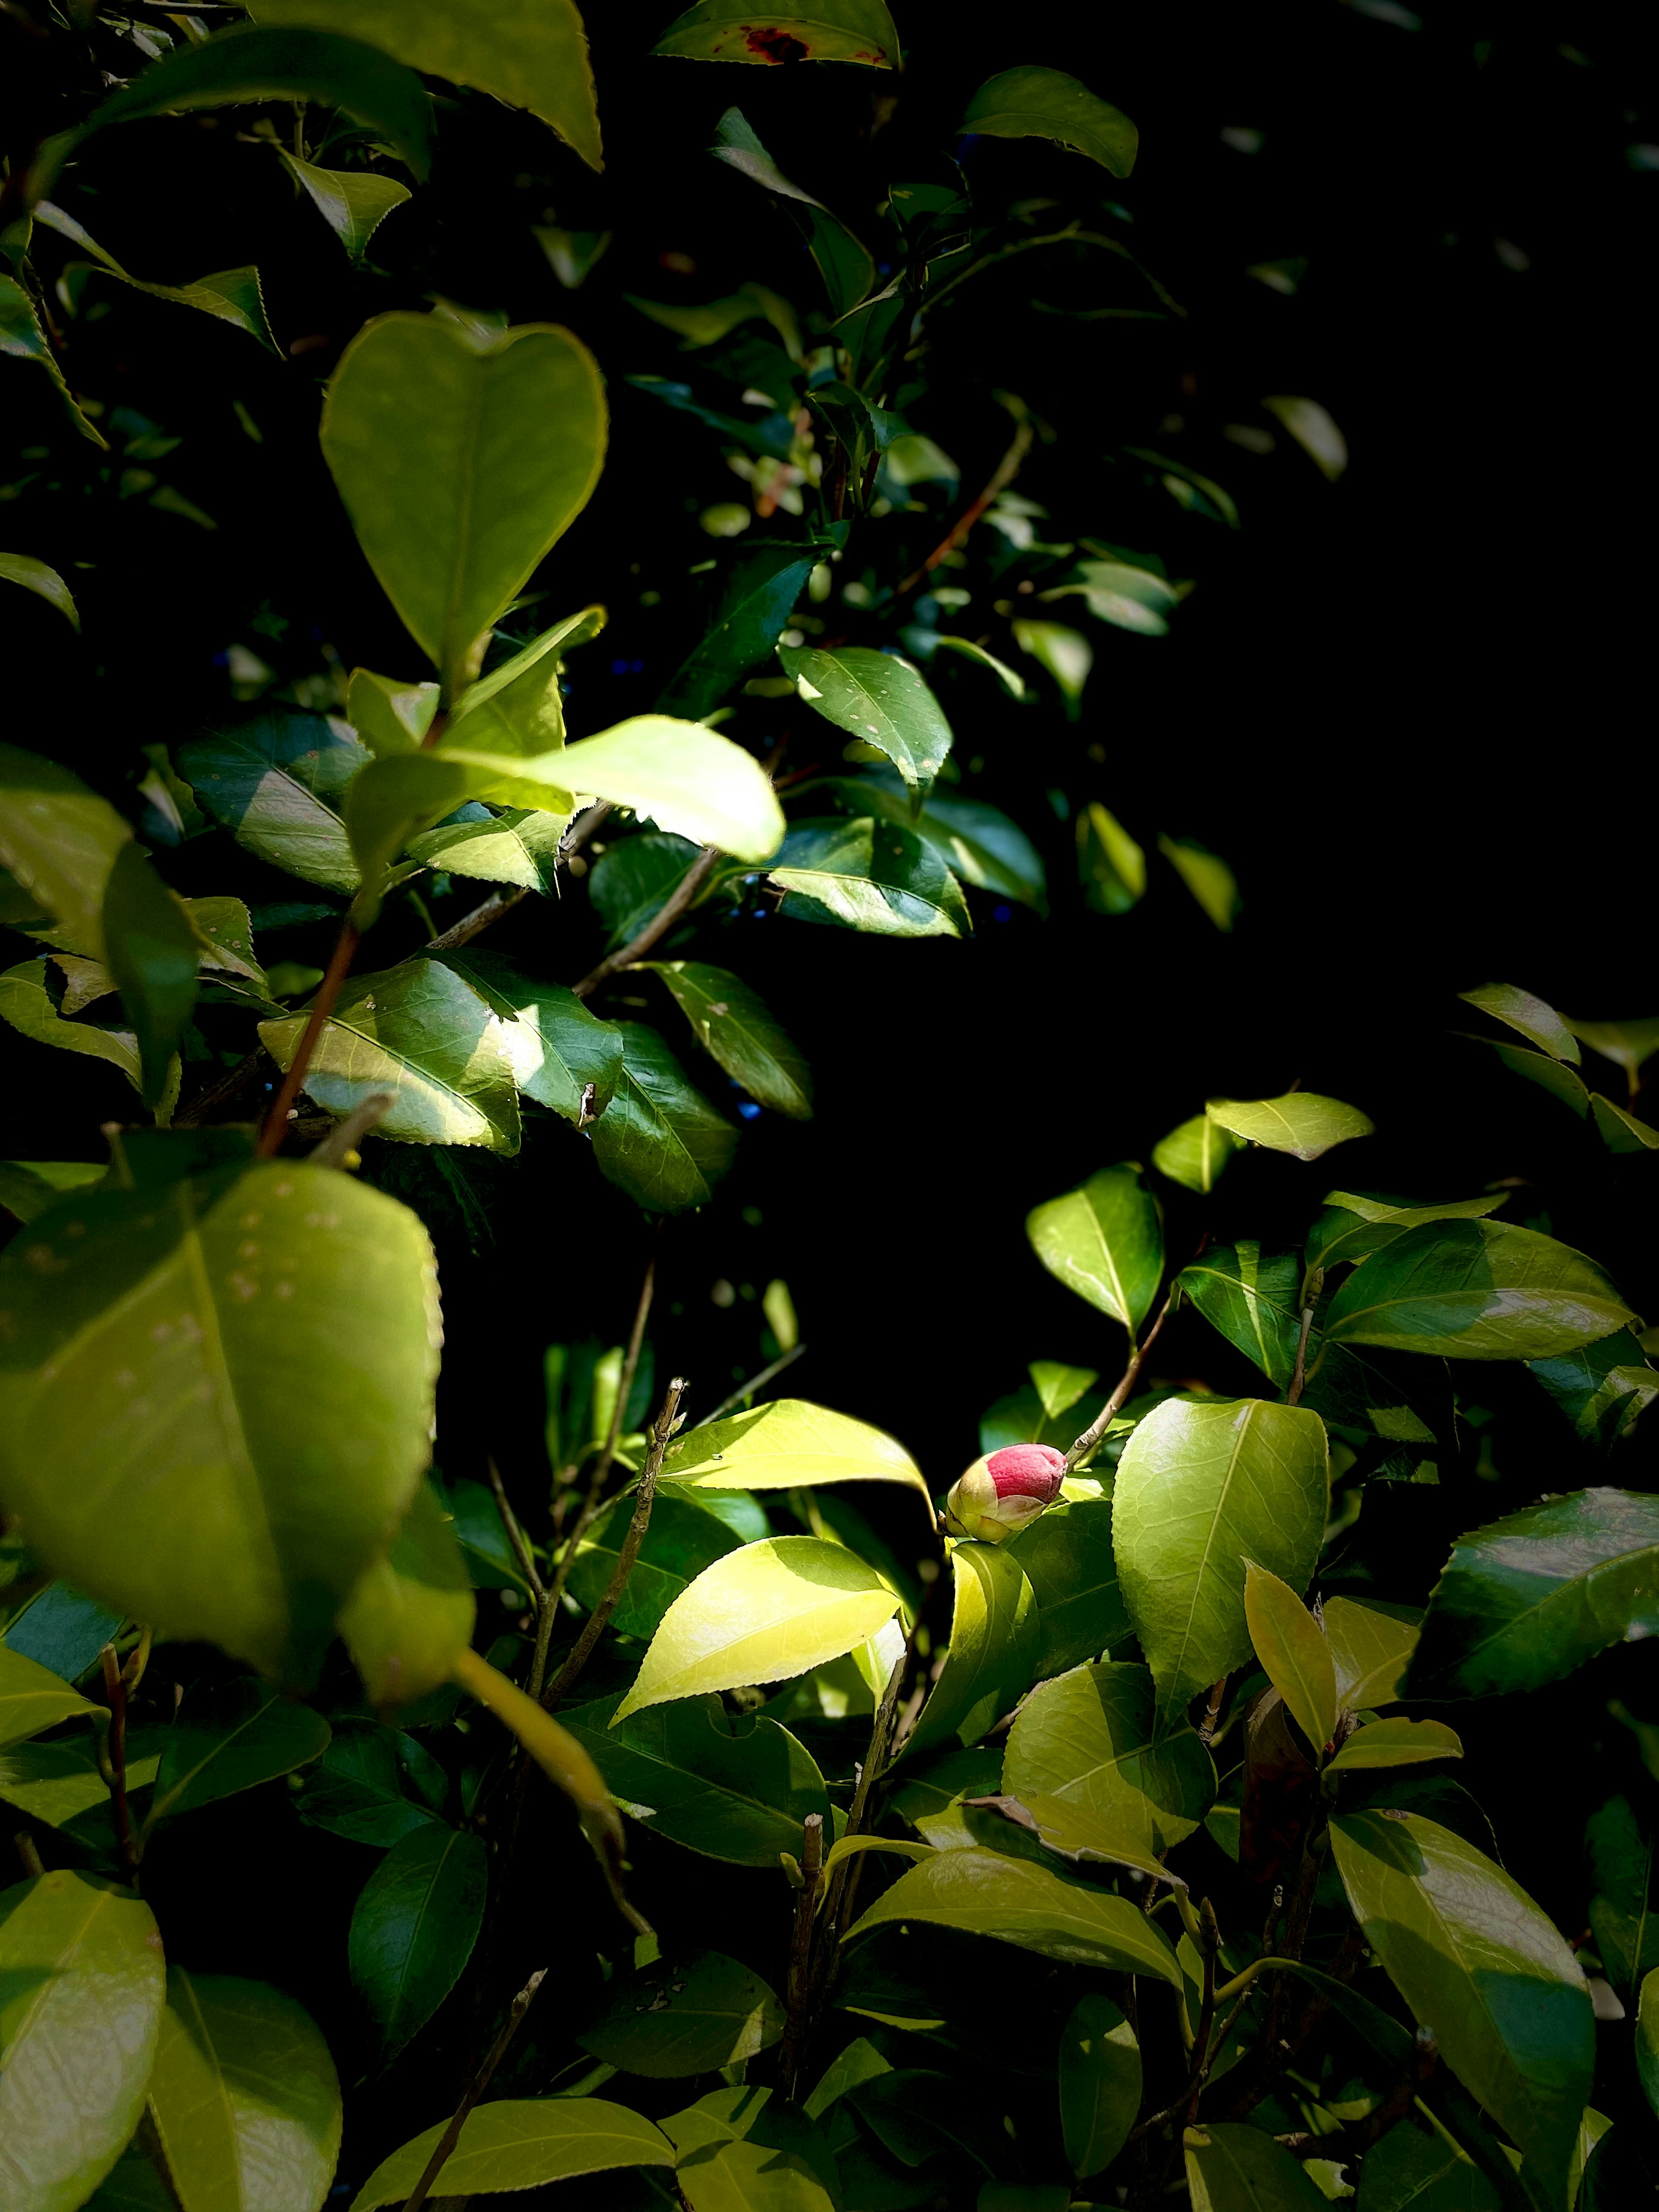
[(516, 1536), (1108, 1412), (1007, 470), (475, 924), (115, 1689), (746, 1389), (275, 1127), (475, 2089), (582, 1651), (344, 1136), (664, 920), (799, 1988)]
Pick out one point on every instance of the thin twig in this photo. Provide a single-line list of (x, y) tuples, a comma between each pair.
[(516, 1536), (475, 2089), (1108, 1412), (1212, 1713), (660, 923), (799, 1988), (115, 1689), (870, 1773), (1007, 470), (473, 925), (1210, 1938), (1300, 1374), (755, 1382), (582, 1650), (345, 1136), (275, 1128)]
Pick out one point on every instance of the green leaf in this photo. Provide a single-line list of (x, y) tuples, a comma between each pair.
[(823, 31), (1105, 1242), (1201, 1488), (1128, 598), (412, 1613), (1111, 866), (871, 875), (358, 1788), (1067, 1556), (1538, 1024), (733, 1790), (390, 717), (1099, 2084), (686, 2015), (1602, 1387), (751, 614), (1647, 2039), (277, 783), (1214, 885), (152, 952), (1414, 2170), (413, 1929), (29, 1186), (977, 842), (555, 1046), (424, 1034), (22, 338), (1353, 1227), (232, 295), (61, 841), (46, 582), (60, 1783), (690, 780), (353, 203), (992, 1654), (659, 1139), (681, 1539), (462, 458), (1292, 1646), (762, 1614), (248, 1735), (1065, 654), (1525, 1600), (236, 67), (1371, 1644), (243, 2097), (1010, 680), (1045, 103), (268, 1338), (225, 936), (1620, 1130), (519, 846), (880, 699), (1622, 1914), (1396, 1742), (32, 1698), (82, 1986), (1089, 1741), (631, 882), (745, 2150), (1476, 1289), (1302, 1124), (1563, 1083), (522, 2142), (734, 1026), (1194, 1153), (986, 1893), (28, 1002), (1478, 1962), (519, 707), (396, 797), (1630, 1045), (789, 1444), (59, 1629), (1241, 2169)]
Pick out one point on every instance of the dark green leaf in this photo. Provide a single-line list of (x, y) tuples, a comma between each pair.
[(878, 699), (152, 952), (353, 203), (685, 2015), (631, 881), (870, 875), (659, 1139), (278, 783), (1105, 1242), (29, 1000), (23, 339), (1476, 1289), (27, 1187), (522, 2142), (246, 1734), (1602, 1387), (413, 1930), (734, 1026), (1621, 1131), (843, 261), (32, 1698), (977, 842), (60, 841), (360, 1787), (1099, 2084), (231, 296), (1630, 1045), (1624, 1911), (60, 1628), (1352, 1226), (1046, 103), (1231, 2168), (750, 616), (1067, 1553), (1414, 2169), (555, 1048)]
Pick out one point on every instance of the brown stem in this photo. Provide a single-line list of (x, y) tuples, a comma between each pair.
[(664, 920), (328, 991), (1007, 470), (475, 924), (1102, 1421), (516, 1536), (344, 1137), (475, 2089), (1211, 1937), (582, 1651), (115, 1689), (754, 1383), (870, 1773), (1299, 1374), (1212, 1713), (799, 1988), (24, 1844)]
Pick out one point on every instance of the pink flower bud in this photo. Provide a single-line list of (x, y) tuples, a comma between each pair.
[(1004, 1492)]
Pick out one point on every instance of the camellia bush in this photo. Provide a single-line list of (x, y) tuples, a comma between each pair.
[(1082, 1827)]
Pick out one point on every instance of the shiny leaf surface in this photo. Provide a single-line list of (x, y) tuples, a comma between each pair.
[(659, 1139), (1105, 1242), (412, 1931), (522, 2142), (1476, 1289), (554, 1046), (242, 1736), (277, 783), (993, 1651), (1099, 2084), (877, 698), (1302, 1123), (1396, 1742), (1292, 1646), (1536, 1021), (1067, 1556), (1045, 103), (1194, 1153), (735, 1027), (872, 875), (1089, 1741)]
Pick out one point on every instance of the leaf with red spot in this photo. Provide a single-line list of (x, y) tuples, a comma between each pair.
[(829, 31)]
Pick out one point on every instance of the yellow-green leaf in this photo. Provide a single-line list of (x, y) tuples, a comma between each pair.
[(789, 1444), (1290, 1645), (522, 2142)]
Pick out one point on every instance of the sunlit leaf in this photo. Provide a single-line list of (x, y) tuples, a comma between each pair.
[(880, 699), (1293, 1648), (1194, 1153), (1476, 1289), (659, 1139), (733, 1025), (1302, 1123), (522, 2142), (60, 841), (1046, 103), (1089, 1742), (36, 576), (1105, 1242), (555, 1046), (1537, 1022), (277, 783), (1313, 430), (32, 1698), (789, 1444), (993, 1651), (29, 1000)]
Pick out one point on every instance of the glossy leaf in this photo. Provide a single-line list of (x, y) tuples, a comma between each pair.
[(631, 882), (1622, 1914), (38, 577), (1201, 1488), (1520, 1010), (762, 1614), (1476, 1289), (681, 1539), (60, 1628), (277, 783), (986, 1893), (1370, 1644), (1563, 1083), (878, 699), (82, 1986), (519, 846), (1353, 1227), (396, 797), (22, 338), (421, 1032), (685, 2015), (412, 1614), (390, 717), (32, 1698), (1045, 103), (1105, 1242), (1089, 1741), (1396, 1742), (59, 1781), (869, 874), (554, 1046), (1292, 1646), (210, 1437), (152, 950), (1211, 882), (992, 1654), (1414, 2169), (1099, 2084), (541, 65), (353, 203), (732, 1789), (60, 841), (522, 2142), (412, 1930), (977, 842), (518, 708), (243, 2098), (1620, 1130), (1302, 1124), (462, 459), (1194, 1153), (1065, 654), (232, 295), (745, 2150), (1525, 1600), (659, 1139), (1067, 1556), (745, 623), (822, 30), (246, 1734), (372, 1785), (690, 780), (734, 1026), (789, 1444), (1629, 1044), (1602, 1387), (29, 1002), (1233, 2168), (1479, 1963)]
